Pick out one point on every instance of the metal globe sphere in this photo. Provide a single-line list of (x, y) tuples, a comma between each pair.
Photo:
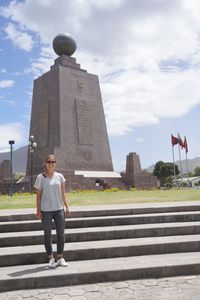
[(63, 43)]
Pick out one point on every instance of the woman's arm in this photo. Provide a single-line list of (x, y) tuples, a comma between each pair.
[(38, 204), (64, 199)]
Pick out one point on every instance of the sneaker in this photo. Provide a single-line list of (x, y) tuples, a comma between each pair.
[(61, 262), (52, 263)]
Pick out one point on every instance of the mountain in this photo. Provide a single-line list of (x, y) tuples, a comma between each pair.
[(19, 159), (192, 164)]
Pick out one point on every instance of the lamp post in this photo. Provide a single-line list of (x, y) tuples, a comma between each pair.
[(11, 143), (32, 146)]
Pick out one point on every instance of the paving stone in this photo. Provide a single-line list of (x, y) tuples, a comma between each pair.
[(182, 286), (194, 281), (76, 292), (149, 282), (125, 291), (91, 288), (31, 298), (60, 297), (45, 296), (171, 290), (191, 291), (94, 296), (60, 291), (120, 284), (78, 298), (166, 284), (17, 297), (126, 296), (108, 290), (45, 290), (103, 284), (29, 293), (136, 286)]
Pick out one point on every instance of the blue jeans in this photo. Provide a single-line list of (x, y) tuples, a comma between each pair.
[(59, 219)]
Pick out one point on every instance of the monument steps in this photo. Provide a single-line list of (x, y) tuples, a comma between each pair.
[(34, 254), (190, 216), (92, 271), (103, 246), (108, 210), (72, 235)]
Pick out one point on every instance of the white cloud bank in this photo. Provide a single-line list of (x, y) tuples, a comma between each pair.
[(20, 39), (11, 131), (146, 52)]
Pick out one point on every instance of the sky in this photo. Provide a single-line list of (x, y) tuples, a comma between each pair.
[(145, 52)]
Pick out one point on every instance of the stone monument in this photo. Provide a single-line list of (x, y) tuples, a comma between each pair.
[(67, 117), (4, 176), (135, 177)]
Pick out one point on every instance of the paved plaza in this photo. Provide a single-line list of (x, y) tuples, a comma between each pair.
[(172, 288)]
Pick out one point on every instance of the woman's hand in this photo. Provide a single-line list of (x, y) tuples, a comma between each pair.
[(67, 212), (39, 215)]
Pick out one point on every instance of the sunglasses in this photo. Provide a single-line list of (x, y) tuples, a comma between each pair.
[(50, 161)]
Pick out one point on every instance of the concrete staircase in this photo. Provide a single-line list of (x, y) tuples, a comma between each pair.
[(106, 243)]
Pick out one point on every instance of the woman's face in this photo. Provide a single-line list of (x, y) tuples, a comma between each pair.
[(50, 163)]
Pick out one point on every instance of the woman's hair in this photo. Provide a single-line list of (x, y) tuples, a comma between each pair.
[(48, 156)]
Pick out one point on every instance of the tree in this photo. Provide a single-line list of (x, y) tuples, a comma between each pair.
[(197, 171), (164, 170)]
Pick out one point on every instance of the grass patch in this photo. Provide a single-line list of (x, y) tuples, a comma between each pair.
[(113, 196)]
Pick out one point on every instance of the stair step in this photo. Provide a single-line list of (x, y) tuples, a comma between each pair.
[(9, 239), (102, 249), (106, 210), (111, 269), (106, 221)]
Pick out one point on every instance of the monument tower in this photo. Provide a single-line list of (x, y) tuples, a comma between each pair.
[(67, 117)]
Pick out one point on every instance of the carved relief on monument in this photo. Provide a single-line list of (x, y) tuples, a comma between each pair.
[(87, 154), (80, 83), (84, 122), (43, 124)]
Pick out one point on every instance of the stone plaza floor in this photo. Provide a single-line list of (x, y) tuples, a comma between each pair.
[(172, 288)]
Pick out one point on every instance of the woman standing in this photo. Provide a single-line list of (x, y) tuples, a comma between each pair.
[(52, 205)]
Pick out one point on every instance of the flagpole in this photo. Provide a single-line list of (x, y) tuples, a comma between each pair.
[(179, 148), (186, 160), (175, 181), (187, 167)]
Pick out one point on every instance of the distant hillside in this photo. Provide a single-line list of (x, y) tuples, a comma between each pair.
[(192, 164), (19, 159)]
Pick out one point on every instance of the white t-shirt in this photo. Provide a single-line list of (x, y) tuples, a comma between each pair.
[(51, 194)]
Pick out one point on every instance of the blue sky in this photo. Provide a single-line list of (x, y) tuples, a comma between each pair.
[(145, 52)]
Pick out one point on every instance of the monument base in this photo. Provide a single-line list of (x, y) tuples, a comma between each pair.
[(90, 180)]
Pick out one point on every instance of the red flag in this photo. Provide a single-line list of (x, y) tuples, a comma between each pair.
[(174, 140), (180, 141), (185, 145)]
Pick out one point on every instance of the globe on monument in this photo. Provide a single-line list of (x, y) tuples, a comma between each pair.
[(63, 43)]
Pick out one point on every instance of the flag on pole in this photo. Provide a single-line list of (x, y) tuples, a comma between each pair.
[(185, 145), (174, 140), (180, 141)]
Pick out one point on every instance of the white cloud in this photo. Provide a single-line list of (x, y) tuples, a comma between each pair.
[(20, 39), (146, 52), (11, 131), (43, 63), (6, 83)]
